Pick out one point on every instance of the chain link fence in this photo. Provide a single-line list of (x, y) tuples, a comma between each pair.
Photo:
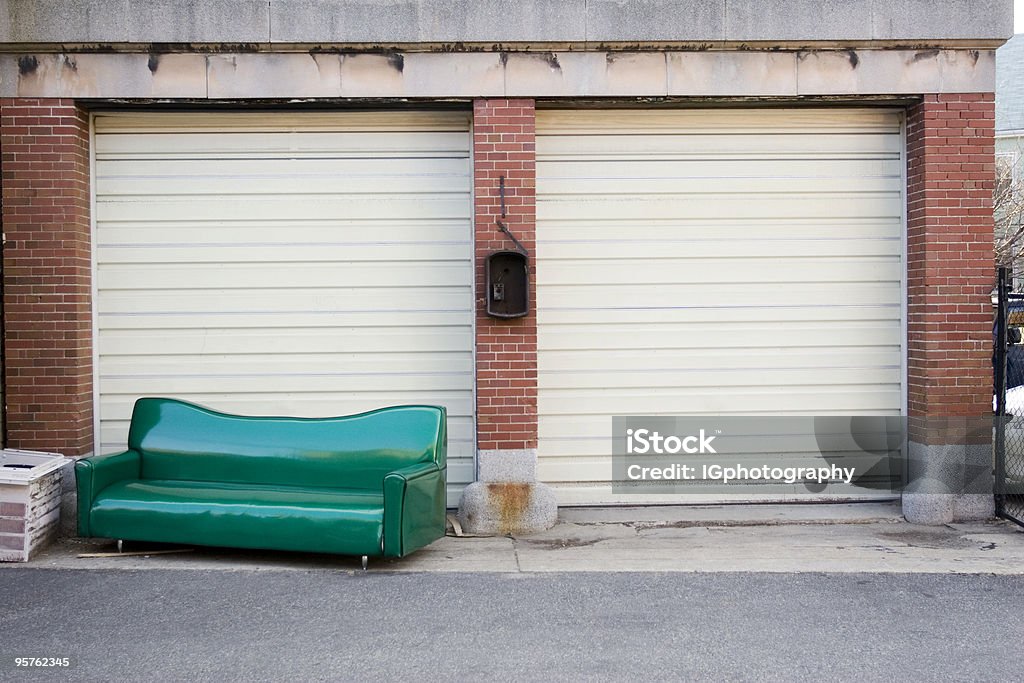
[(1008, 362)]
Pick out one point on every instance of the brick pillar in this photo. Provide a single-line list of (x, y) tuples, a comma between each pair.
[(950, 275), (506, 350), (507, 497), (44, 159)]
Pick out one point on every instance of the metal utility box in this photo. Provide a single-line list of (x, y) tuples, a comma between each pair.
[(507, 275)]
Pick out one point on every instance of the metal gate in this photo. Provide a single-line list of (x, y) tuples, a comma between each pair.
[(1009, 402)]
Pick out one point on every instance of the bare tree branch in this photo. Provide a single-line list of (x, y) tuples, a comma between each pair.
[(1008, 208)]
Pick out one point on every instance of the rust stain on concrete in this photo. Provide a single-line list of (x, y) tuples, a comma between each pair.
[(509, 502)]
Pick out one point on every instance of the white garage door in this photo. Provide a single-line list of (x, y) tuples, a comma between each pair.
[(712, 262), (306, 264)]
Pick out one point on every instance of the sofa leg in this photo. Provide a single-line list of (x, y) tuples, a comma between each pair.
[(366, 561), (120, 546)]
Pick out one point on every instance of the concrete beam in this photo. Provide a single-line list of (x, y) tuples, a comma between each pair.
[(802, 20), (492, 74), (616, 21), (125, 21), (960, 19), (457, 24), (426, 21)]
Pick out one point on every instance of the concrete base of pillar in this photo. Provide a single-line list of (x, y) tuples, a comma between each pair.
[(949, 483), (973, 507), (498, 508), (944, 508), (933, 509), (69, 501)]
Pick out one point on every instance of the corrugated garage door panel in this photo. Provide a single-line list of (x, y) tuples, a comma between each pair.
[(714, 262), (302, 264)]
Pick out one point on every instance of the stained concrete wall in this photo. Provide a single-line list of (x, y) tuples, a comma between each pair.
[(106, 23), (489, 74)]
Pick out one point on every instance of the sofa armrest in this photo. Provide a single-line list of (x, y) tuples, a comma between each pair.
[(96, 473), (414, 508)]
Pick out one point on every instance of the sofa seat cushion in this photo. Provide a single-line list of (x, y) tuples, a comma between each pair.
[(241, 515)]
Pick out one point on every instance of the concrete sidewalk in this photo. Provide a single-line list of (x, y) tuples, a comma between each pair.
[(856, 537)]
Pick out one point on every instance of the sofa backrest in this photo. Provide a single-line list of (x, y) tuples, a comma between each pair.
[(184, 441)]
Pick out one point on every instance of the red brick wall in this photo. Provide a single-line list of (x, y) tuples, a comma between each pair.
[(48, 346), (950, 177), (44, 159), (506, 350)]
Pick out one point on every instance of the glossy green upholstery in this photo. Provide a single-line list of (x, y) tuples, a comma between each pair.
[(369, 484)]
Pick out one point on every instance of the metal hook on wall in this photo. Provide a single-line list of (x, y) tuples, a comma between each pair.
[(501, 223)]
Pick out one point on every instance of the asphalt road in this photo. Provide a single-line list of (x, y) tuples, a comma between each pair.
[(188, 625)]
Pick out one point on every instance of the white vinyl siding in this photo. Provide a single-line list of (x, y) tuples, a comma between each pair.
[(712, 262), (309, 264)]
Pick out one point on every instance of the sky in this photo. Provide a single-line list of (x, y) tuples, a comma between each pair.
[(1018, 16)]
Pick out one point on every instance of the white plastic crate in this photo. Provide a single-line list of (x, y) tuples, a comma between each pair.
[(30, 491)]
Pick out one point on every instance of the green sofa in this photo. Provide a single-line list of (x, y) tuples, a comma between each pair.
[(371, 484)]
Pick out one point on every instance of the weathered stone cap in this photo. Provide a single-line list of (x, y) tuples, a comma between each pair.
[(499, 24)]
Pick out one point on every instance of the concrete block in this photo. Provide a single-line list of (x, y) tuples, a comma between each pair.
[(446, 74), (125, 21), (344, 21), (538, 74), (827, 72), (635, 73), (507, 465), (494, 74), (396, 22), (48, 21), (175, 75), (967, 70), (5, 19), (732, 73), (181, 21), (928, 508), (578, 74), (302, 75), (69, 501), (372, 75), (950, 19), (104, 75), (501, 21), (616, 21), (894, 72), (891, 72), (798, 20), (274, 75), (9, 75), (507, 508), (936, 468), (972, 507), (391, 22), (948, 482)]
